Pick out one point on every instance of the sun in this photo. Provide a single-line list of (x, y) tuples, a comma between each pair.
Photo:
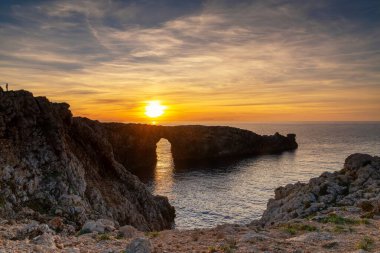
[(154, 109)]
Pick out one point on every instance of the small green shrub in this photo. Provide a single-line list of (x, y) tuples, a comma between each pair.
[(212, 249), (120, 236), (104, 237), (2, 201), (339, 229), (340, 220), (228, 248), (365, 244), (152, 234), (294, 228)]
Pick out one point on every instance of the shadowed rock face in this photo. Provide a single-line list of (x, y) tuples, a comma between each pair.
[(52, 164), (135, 144)]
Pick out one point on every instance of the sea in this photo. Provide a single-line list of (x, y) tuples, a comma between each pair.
[(238, 191)]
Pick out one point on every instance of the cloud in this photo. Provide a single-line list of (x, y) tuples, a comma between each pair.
[(215, 53)]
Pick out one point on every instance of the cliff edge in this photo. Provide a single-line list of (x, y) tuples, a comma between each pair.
[(52, 164)]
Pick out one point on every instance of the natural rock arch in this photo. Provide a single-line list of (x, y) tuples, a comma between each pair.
[(134, 145)]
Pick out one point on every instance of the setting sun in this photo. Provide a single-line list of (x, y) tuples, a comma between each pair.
[(154, 109)]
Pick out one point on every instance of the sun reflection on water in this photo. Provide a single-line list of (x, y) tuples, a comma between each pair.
[(163, 175)]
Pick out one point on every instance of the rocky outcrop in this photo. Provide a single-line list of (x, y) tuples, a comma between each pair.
[(135, 144), (52, 164), (356, 185)]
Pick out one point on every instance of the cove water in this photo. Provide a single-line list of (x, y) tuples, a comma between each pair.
[(237, 192)]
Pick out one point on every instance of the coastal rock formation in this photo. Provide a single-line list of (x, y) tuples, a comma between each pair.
[(52, 164), (135, 144), (356, 185)]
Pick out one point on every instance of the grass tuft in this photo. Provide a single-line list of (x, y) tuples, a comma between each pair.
[(294, 228), (104, 237), (340, 220), (152, 234), (365, 244)]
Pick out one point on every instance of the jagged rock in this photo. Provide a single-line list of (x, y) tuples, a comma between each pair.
[(33, 230), (56, 224), (52, 164), (139, 245), (357, 184), (45, 239)]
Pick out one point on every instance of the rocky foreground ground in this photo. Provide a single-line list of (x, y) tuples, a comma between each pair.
[(336, 212), (338, 230)]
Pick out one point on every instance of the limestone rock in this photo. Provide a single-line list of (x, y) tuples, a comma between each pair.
[(139, 245), (45, 239), (128, 231), (357, 184), (100, 226), (33, 230)]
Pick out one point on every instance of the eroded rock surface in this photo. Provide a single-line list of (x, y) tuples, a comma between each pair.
[(356, 185), (52, 164)]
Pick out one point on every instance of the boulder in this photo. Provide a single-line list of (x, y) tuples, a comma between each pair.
[(100, 226), (139, 245), (32, 230), (128, 231)]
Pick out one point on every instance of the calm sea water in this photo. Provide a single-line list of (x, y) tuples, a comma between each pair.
[(237, 192)]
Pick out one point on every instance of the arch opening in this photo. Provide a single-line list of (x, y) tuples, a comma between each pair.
[(163, 173)]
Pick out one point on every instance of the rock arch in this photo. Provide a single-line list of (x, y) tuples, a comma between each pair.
[(134, 145)]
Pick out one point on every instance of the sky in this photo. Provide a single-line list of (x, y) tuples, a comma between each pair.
[(214, 61)]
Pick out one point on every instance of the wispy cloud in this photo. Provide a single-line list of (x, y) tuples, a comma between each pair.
[(234, 59)]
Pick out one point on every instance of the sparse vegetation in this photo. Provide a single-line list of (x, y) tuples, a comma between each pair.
[(152, 234), (2, 201), (294, 228), (104, 237), (339, 229), (229, 247), (366, 243), (212, 249), (120, 236), (340, 220)]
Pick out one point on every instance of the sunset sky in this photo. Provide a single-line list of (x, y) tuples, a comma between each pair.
[(252, 61)]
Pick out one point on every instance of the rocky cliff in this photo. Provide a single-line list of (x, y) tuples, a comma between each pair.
[(52, 164), (135, 144), (356, 185)]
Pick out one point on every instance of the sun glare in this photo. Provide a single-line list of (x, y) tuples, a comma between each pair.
[(154, 109)]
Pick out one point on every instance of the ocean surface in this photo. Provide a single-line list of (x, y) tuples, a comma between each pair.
[(237, 192)]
